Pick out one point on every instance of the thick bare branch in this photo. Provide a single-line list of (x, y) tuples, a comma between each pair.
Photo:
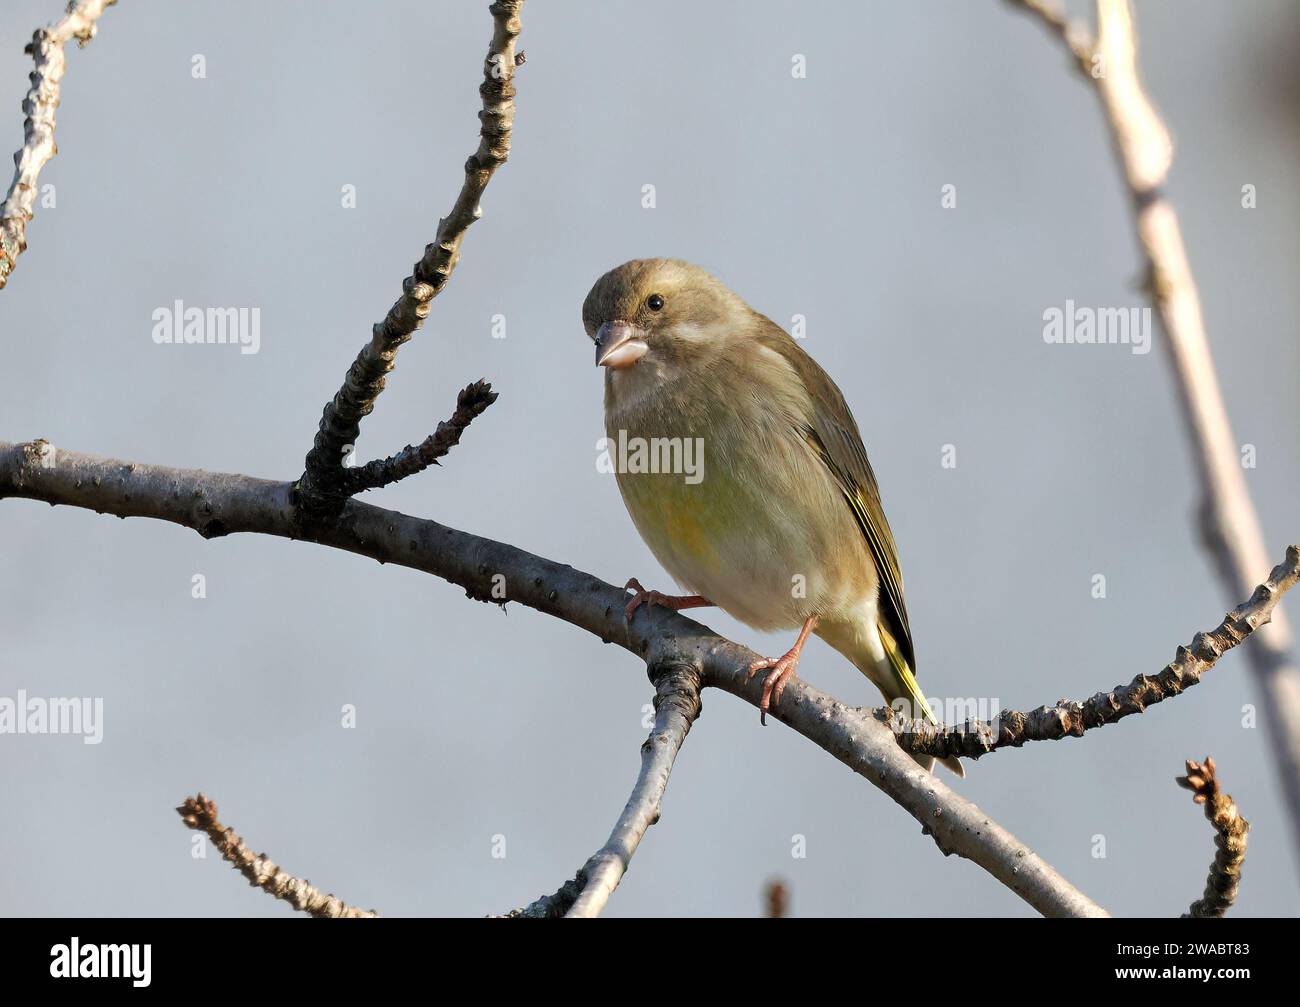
[(46, 50), (200, 813), (1071, 719), (218, 504), (1229, 839), (324, 483), (1230, 526)]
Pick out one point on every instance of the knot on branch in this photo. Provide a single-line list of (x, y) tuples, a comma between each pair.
[(677, 684), (552, 907), (39, 452), (506, 14)]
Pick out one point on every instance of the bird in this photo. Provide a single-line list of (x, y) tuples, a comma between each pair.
[(782, 526)]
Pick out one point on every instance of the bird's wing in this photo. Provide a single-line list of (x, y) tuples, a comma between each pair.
[(832, 433)]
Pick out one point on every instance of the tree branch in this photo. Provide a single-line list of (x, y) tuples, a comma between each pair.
[(1229, 840), (218, 504), (1230, 526), (324, 483), (201, 814), (677, 705), (1013, 729), (472, 401), (46, 50)]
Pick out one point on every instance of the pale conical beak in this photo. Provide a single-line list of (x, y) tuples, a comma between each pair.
[(619, 344)]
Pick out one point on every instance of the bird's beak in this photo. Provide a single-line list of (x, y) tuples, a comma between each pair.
[(619, 344)]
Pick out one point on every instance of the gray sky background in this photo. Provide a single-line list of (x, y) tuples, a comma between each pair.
[(819, 197)]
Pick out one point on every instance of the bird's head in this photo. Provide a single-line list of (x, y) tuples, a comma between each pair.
[(663, 313)]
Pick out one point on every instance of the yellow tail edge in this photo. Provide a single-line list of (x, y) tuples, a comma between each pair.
[(908, 688)]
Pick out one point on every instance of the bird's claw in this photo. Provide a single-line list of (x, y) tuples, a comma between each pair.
[(670, 601), (639, 598), (782, 670)]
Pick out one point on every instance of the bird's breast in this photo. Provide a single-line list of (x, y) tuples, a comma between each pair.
[(736, 508)]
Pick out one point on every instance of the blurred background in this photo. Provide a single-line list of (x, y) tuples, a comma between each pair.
[(479, 732)]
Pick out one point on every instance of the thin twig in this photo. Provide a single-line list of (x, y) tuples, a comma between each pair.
[(200, 813), (1068, 719), (46, 50), (1229, 839), (324, 482), (471, 401), (1229, 524)]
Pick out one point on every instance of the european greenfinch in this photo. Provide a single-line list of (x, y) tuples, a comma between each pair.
[(744, 472)]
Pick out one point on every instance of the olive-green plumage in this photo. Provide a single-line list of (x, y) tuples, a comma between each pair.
[(784, 522)]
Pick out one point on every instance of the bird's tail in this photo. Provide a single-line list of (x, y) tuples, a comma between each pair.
[(901, 684)]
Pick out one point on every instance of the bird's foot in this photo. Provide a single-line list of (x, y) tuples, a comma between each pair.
[(782, 670), (676, 602)]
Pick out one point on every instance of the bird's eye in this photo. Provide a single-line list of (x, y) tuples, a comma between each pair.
[(654, 302)]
